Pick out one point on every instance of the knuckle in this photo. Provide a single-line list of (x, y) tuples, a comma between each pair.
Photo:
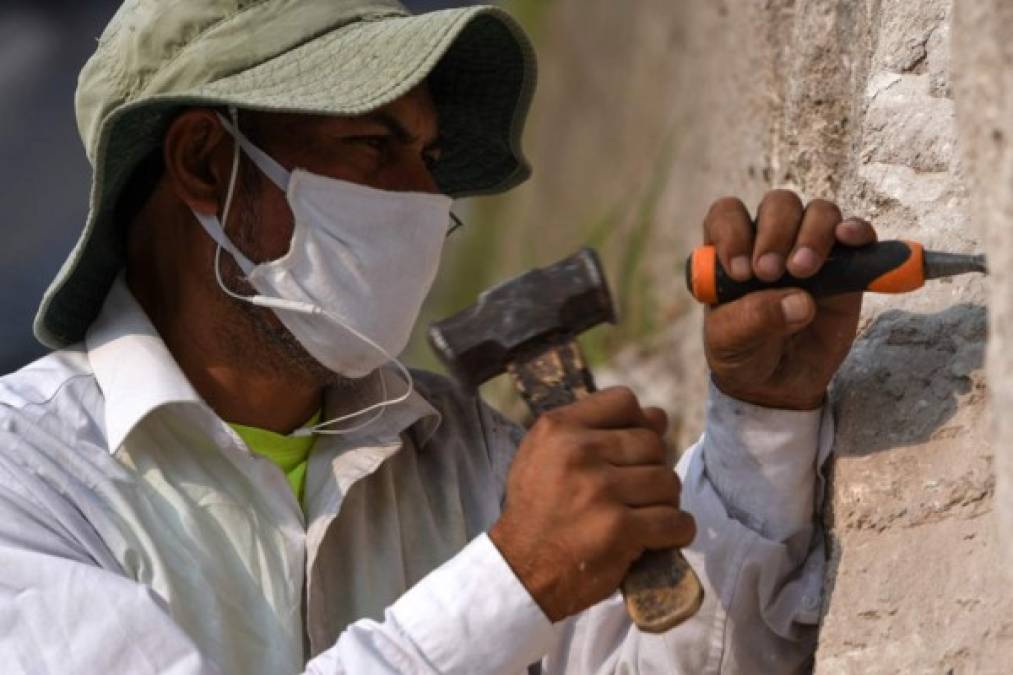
[(660, 476), (649, 445), (674, 520), (667, 489), (552, 418), (551, 423), (657, 415), (866, 229), (663, 524), (724, 326), (625, 398), (685, 527), (675, 487), (676, 482), (756, 309), (727, 203), (557, 442), (729, 247), (576, 452), (825, 209), (583, 492), (614, 525), (782, 198)]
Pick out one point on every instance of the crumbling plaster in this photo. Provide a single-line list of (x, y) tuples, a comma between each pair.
[(983, 79), (857, 101)]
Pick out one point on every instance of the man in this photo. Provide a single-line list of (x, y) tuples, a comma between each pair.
[(222, 468)]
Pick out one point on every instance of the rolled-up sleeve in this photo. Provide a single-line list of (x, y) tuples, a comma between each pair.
[(753, 482)]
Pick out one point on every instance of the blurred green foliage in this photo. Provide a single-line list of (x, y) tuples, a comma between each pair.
[(530, 14)]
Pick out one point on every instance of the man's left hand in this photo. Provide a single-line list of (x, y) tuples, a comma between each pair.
[(780, 348)]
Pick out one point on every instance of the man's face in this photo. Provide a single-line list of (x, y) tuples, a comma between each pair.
[(391, 149)]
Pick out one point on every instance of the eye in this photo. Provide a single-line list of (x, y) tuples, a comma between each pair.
[(378, 143)]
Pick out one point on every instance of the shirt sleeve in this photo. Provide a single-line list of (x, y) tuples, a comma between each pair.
[(62, 612), (753, 482), (472, 615), (65, 606)]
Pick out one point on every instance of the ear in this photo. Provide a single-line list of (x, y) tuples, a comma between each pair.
[(198, 159)]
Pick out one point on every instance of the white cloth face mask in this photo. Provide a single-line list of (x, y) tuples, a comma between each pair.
[(358, 268)]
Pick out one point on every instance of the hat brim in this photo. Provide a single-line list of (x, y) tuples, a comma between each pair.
[(479, 66)]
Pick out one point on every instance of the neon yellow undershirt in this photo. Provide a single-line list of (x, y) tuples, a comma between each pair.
[(290, 453)]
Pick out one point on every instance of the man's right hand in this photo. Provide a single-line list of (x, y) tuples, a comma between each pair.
[(591, 489)]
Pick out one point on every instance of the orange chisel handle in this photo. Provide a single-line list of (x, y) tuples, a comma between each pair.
[(883, 267)]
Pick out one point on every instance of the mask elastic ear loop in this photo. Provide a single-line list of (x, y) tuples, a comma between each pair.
[(273, 169), (229, 195), (234, 114), (244, 262)]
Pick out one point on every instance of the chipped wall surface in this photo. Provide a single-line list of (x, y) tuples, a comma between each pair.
[(914, 582), (983, 76), (851, 100)]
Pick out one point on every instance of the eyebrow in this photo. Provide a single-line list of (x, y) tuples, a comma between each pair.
[(397, 129)]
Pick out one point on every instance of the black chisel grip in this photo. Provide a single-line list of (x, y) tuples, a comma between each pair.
[(883, 267)]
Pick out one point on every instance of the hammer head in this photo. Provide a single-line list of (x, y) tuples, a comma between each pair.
[(524, 316)]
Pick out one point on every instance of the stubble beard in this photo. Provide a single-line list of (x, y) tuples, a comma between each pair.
[(258, 337)]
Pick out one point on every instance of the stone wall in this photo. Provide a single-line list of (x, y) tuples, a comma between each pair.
[(914, 583), (983, 77), (649, 111)]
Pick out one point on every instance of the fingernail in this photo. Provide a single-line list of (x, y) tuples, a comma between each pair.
[(805, 261), (741, 269), (770, 266), (795, 308)]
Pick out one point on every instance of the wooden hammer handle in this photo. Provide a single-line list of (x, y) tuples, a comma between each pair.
[(661, 590), (553, 378)]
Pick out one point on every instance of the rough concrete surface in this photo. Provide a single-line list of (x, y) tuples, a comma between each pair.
[(984, 84), (851, 100)]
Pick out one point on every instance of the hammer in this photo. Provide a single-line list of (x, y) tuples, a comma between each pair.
[(527, 326)]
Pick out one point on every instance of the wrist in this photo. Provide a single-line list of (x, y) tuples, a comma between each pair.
[(782, 398), (523, 561)]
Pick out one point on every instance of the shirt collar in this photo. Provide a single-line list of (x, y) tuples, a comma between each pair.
[(137, 374), (132, 365)]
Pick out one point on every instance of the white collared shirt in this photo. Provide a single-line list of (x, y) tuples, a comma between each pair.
[(138, 534)]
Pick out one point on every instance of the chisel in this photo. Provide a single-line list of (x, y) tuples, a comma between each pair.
[(883, 267)]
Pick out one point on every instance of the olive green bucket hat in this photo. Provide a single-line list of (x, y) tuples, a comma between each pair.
[(330, 57)]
